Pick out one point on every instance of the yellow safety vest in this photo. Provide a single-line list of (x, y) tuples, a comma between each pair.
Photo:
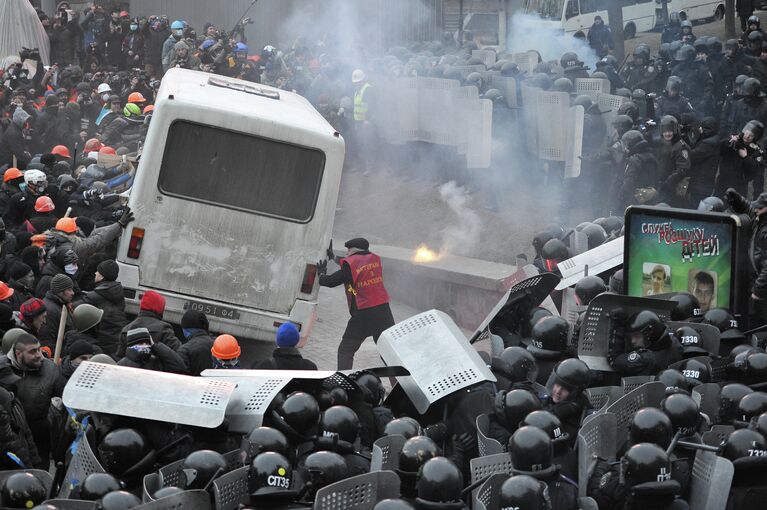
[(360, 106)]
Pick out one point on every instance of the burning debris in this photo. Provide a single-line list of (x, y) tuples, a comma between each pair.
[(424, 255)]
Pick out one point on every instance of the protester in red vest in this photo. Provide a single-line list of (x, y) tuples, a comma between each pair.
[(361, 274)]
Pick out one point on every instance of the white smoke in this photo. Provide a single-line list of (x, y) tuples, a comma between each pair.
[(463, 234), (530, 32)]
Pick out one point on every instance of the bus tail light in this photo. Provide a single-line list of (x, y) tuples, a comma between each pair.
[(310, 275), (136, 240)]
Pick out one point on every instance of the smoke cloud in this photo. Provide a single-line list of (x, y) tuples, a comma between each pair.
[(462, 236), (530, 32)]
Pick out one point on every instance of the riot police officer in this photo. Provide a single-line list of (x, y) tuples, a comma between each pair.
[(648, 348), (672, 102), (673, 161)]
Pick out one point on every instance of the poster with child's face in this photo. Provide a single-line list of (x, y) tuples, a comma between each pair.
[(680, 255)]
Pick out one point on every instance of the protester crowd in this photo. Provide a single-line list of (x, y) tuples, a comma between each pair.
[(68, 149)]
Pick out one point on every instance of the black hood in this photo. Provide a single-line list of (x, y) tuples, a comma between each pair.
[(709, 127), (111, 291)]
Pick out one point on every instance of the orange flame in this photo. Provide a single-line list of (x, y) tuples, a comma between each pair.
[(423, 255)]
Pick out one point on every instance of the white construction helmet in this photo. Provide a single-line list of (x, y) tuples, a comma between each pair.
[(358, 75), (104, 87)]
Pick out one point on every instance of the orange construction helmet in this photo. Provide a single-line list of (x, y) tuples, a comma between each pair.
[(44, 204), (225, 347), (68, 225), (148, 109), (92, 145), (136, 97), (61, 150), (39, 240), (108, 150), (11, 174), (5, 291)]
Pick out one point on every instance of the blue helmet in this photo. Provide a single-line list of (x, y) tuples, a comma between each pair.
[(207, 43), (241, 47), (177, 25)]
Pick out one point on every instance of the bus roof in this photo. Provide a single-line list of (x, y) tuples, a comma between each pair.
[(195, 88)]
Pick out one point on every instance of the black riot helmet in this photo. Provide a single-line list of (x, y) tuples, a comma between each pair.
[(649, 325), (322, 469), (534, 316), (686, 306), (669, 124), (720, 318), (415, 452), (731, 47), (562, 85), (393, 504), (622, 124), (701, 45), (549, 337), (616, 279), (554, 252), (439, 481), (651, 425), (167, 491), (474, 79), (119, 500), (686, 53), (509, 69), (22, 490), (523, 492), (264, 439), (623, 92), (540, 80), (573, 375), (570, 62), (270, 473), (695, 371), (494, 95), (122, 449), (599, 75), (402, 427), (373, 390), (588, 288), (755, 127), (691, 341), (631, 109), (642, 52), (674, 381), (683, 412), (760, 424), (645, 462), (201, 467), (729, 399), (97, 485), (547, 422), (674, 18), (596, 235), (756, 368), (714, 45), (686, 24), (711, 204), (674, 85), (751, 87), (300, 411), (755, 39), (512, 406), (584, 101), (340, 422), (632, 140), (751, 406), (518, 364), (744, 443), (753, 20), (531, 450)]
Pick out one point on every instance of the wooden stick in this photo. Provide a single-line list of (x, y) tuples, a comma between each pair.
[(60, 335)]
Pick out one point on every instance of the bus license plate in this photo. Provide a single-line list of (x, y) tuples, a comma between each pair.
[(213, 310)]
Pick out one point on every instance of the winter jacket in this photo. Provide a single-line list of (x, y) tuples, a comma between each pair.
[(162, 359), (704, 157), (734, 171), (36, 387), (154, 40), (50, 329), (675, 106), (731, 67), (640, 172), (159, 330), (196, 352), (757, 250), (109, 297), (747, 109), (44, 283), (167, 51), (62, 41), (285, 358), (15, 436), (20, 294), (12, 141), (87, 247), (49, 128)]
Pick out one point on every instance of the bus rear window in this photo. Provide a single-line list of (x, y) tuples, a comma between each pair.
[(240, 171)]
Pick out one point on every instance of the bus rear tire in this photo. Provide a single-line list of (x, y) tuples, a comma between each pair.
[(629, 32), (719, 14)]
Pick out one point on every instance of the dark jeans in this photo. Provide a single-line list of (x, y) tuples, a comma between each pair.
[(364, 323)]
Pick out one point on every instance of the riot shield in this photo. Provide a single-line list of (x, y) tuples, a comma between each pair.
[(592, 87), (153, 395), (530, 117), (436, 124), (603, 258), (553, 112), (526, 61), (359, 492), (648, 395), (574, 142), (257, 388), (508, 86), (437, 354), (596, 439), (711, 480), (532, 291), (597, 326), (487, 496), (488, 57), (467, 70), (480, 134)]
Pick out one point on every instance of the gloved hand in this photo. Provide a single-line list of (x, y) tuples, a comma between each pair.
[(436, 432), (126, 217), (731, 196), (331, 254), (322, 267), (90, 194), (465, 442)]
